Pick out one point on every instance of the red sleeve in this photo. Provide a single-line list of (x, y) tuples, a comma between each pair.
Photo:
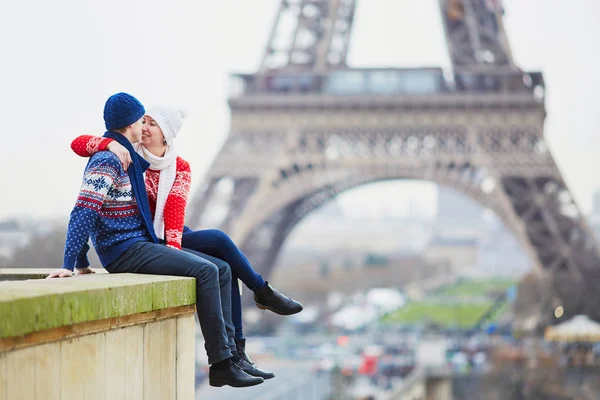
[(176, 203), (88, 145)]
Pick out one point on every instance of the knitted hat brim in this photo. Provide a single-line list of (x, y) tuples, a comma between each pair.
[(123, 122)]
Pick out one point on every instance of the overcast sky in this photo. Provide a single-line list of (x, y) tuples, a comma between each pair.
[(61, 60)]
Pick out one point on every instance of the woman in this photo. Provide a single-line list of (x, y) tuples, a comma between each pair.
[(167, 184)]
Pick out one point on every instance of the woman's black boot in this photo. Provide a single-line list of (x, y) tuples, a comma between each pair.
[(268, 298)]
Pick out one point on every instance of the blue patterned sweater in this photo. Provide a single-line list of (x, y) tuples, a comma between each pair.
[(106, 210)]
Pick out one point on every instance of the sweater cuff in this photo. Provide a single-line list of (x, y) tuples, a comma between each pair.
[(69, 262), (82, 262), (174, 245), (104, 144)]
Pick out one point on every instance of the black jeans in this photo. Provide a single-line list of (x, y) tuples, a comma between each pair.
[(213, 288)]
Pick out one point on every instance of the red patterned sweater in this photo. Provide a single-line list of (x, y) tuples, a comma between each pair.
[(174, 214)]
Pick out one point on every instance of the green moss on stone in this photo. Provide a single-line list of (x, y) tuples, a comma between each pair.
[(173, 293)]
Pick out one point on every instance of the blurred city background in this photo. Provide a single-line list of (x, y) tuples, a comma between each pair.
[(401, 277)]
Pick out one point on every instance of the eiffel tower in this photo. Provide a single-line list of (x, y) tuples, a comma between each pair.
[(306, 127)]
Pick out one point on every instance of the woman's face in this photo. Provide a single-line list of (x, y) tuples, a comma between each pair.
[(152, 136)]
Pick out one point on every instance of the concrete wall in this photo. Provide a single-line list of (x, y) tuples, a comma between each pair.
[(421, 385), (414, 387), (122, 336), (416, 391), (439, 389)]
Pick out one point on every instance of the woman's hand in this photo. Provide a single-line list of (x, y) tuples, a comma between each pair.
[(120, 151)]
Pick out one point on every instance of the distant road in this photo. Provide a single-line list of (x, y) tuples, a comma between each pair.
[(293, 380)]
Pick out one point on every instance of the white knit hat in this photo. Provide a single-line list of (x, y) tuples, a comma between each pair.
[(169, 120)]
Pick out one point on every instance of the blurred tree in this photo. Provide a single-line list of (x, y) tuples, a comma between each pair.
[(535, 304), (376, 260), (45, 251), (539, 295), (324, 269), (579, 296)]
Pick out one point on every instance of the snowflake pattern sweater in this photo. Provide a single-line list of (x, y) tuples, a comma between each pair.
[(106, 210), (174, 214)]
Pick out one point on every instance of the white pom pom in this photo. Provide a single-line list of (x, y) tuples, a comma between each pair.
[(183, 111)]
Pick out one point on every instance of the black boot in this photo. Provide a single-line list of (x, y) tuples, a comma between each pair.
[(246, 363), (232, 375), (268, 298)]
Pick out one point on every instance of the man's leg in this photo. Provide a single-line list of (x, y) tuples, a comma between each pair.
[(225, 291), (208, 243), (150, 258)]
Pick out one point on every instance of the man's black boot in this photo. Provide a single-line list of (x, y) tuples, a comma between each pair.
[(246, 363), (231, 375), (268, 298)]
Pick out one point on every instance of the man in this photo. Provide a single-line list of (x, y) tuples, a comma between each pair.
[(113, 209)]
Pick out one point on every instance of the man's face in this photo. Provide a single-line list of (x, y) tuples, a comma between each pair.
[(136, 130)]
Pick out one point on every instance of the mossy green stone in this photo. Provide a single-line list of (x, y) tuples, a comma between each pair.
[(173, 293), (35, 305)]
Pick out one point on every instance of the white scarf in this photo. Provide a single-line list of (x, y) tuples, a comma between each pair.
[(167, 166)]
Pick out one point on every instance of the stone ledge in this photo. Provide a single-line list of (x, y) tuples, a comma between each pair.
[(21, 274), (40, 304)]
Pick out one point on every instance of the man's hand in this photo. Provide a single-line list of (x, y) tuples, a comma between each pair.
[(120, 151), (84, 271), (60, 273)]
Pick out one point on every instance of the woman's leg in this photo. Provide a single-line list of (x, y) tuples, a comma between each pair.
[(236, 308), (218, 244)]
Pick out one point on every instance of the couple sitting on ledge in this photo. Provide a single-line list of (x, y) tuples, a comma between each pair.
[(132, 205)]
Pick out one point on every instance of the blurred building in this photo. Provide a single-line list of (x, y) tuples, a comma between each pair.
[(331, 230), (595, 216), (457, 255), (352, 272), (472, 240), (596, 203)]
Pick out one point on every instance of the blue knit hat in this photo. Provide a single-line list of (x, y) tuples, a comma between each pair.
[(121, 110)]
